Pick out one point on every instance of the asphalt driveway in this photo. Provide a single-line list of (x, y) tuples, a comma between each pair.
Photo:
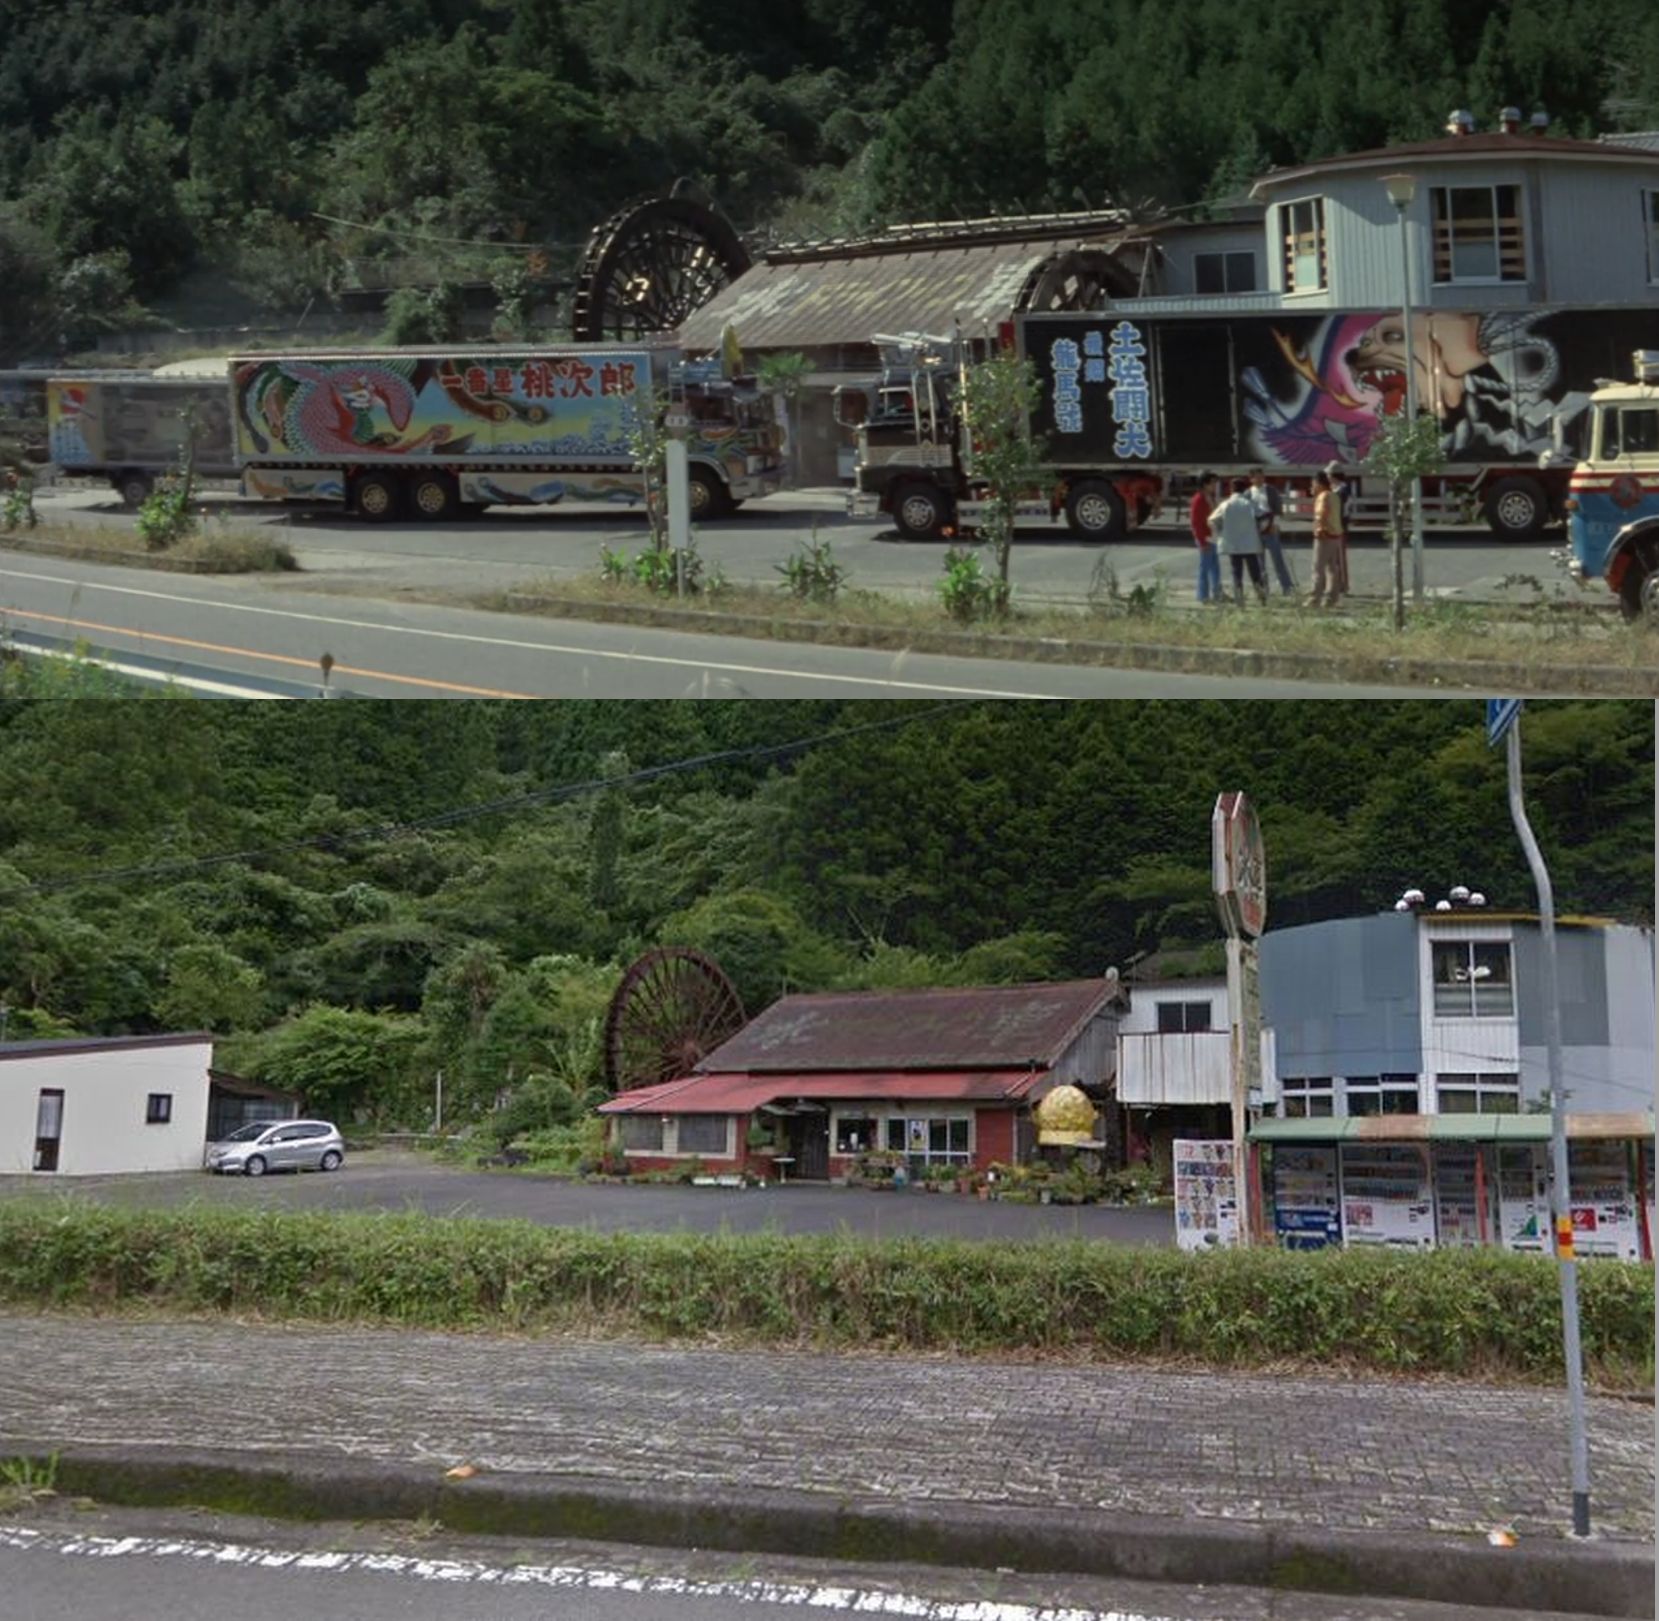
[(392, 1180)]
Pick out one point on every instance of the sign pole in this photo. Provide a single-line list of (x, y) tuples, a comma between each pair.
[(1239, 878), (1560, 1194)]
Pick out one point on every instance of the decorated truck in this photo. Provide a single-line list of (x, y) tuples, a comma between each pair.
[(430, 431), (22, 418), (131, 427), (1132, 409), (1613, 510)]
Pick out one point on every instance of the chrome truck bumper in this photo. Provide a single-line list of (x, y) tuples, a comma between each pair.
[(863, 504)]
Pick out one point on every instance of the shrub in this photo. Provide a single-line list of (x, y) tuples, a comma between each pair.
[(166, 517), (967, 591), (1450, 1311), (812, 574)]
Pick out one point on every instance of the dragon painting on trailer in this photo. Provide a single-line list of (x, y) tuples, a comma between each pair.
[(366, 409)]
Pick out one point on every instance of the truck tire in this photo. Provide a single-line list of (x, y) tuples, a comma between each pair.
[(433, 496), (1639, 589), (1516, 509), (376, 496), (1094, 511), (920, 511), (708, 493), (133, 486)]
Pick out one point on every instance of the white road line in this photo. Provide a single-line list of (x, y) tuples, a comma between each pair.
[(139, 672), (523, 646), (812, 1596)]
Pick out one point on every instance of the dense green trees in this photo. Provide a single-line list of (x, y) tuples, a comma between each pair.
[(364, 937), (215, 133)]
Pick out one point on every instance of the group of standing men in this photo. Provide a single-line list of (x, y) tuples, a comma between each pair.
[(1248, 522)]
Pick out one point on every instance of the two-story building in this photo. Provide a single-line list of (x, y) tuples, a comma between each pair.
[(1411, 1088)]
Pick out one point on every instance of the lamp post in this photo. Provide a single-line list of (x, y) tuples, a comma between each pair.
[(1402, 188)]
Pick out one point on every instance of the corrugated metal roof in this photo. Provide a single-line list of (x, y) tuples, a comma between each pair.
[(741, 1094), (983, 1027), (55, 1047), (827, 301)]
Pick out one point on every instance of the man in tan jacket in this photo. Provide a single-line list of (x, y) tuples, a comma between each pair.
[(1330, 545)]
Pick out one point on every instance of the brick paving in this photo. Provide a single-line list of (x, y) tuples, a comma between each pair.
[(1332, 1452)]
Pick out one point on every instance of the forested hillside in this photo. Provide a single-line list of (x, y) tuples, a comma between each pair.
[(137, 142), (412, 886)]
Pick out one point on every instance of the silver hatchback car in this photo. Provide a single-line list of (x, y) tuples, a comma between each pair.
[(278, 1145)]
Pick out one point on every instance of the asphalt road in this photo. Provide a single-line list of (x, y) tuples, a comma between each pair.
[(135, 1565), (386, 1180), (258, 636), (507, 546)]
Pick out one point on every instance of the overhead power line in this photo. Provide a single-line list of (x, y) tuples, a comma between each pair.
[(506, 806)]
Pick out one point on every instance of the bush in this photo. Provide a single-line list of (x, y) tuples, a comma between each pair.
[(1469, 1312), (812, 574), (967, 591), (166, 517)]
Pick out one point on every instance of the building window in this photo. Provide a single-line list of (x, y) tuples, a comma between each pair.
[(1472, 979), (1304, 228), (1629, 433), (854, 1133), (159, 1110), (930, 1139), (705, 1134), (1650, 229), (1477, 234), (1306, 1098), (1176, 1018), (1224, 272), (642, 1133), (1381, 1094), (1478, 1094)]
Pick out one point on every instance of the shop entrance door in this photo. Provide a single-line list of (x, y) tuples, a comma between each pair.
[(48, 1128), (809, 1143)]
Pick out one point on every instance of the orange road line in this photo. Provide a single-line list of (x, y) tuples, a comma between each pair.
[(272, 658)]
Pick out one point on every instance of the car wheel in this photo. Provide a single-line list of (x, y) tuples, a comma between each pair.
[(920, 511), (433, 496), (255, 1165), (1094, 511), (376, 497), (330, 1161), (134, 488), (1516, 509), (1639, 588)]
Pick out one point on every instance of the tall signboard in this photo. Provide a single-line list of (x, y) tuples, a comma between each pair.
[(1238, 868)]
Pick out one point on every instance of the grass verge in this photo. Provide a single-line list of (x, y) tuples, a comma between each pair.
[(211, 551), (1452, 1312), (1554, 647)]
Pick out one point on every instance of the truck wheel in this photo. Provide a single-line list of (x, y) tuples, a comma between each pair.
[(1094, 511), (433, 496), (1639, 589), (709, 496), (376, 496), (920, 511), (1516, 509), (133, 488)]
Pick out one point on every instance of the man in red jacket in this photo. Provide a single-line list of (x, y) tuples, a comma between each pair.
[(1209, 563)]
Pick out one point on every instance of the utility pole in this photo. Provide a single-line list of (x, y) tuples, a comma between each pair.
[(1503, 717), (438, 1114)]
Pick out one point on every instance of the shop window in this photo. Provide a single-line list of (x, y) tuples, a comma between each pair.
[(159, 1110), (1224, 272), (1176, 1018), (1304, 233), (1306, 1098), (895, 1136), (642, 1133), (1472, 979), (931, 1139), (1478, 1094), (1478, 235), (854, 1133), (705, 1134)]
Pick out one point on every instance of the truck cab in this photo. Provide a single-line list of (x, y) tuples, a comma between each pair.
[(1613, 505)]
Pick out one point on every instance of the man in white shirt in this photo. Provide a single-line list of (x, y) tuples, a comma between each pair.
[(1233, 524)]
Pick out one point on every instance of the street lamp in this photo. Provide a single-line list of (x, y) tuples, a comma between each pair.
[(1402, 188)]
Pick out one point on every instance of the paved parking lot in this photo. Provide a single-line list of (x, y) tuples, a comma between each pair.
[(391, 1180)]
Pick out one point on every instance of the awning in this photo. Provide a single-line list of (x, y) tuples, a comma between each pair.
[(743, 1094), (1465, 1128)]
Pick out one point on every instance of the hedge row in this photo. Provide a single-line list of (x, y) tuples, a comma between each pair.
[(1471, 1312)]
